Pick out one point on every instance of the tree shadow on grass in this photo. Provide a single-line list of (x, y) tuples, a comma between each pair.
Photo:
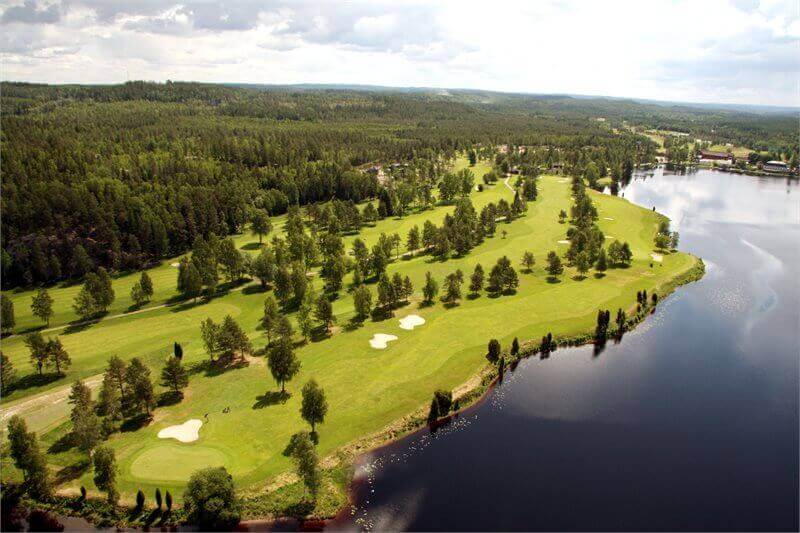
[(64, 443), (33, 380), (217, 367), (319, 334), (251, 246), (354, 324), (136, 423), (578, 277), (77, 327), (553, 279), (599, 275), (169, 398), (473, 296), (423, 304), (379, 315), (271, 398), (254, 289), (72, 472)]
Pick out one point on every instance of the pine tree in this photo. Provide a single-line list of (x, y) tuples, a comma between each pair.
[(7, 320), (57, 356), (493, 351), (362, 301), (430, 289), (324, 313), (174, 375), (38, 350), (146, 284), (105, 472), (602, 263), (314, 406), (528, 261), (8, 376), (476, 279), (28, 457), (42, 305), (282, 362)]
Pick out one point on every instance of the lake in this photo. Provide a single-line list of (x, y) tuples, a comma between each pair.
[(689, 423)]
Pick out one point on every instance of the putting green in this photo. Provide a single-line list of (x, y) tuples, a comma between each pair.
[(175, 462)]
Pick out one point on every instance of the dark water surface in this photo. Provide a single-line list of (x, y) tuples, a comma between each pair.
[(690, 423)]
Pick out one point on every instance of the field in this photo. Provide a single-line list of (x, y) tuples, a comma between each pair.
[(367, 389)]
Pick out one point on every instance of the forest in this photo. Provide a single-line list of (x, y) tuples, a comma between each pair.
[(122, 176)]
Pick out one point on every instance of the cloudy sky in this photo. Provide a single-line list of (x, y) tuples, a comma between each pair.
[(732, 51)]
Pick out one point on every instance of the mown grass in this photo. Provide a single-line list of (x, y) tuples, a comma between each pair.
[(367, 389)]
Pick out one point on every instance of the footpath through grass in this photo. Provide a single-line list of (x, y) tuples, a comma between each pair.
[(367, 389)]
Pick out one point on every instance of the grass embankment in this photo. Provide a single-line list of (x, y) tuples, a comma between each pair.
[(368, 390)]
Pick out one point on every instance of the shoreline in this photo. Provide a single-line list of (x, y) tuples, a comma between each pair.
[(470, 398), (471, 394)]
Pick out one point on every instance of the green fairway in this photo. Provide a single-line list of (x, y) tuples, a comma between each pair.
[(367, 389)]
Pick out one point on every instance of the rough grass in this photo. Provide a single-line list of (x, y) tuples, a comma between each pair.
[(367, 389)]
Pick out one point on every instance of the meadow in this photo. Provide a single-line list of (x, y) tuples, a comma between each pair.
[(367, 389)]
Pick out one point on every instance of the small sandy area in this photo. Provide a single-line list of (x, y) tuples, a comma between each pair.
[(379, 341), (189, 431), (657, 257), (607, 218), (563, 242), (176, 265), (411, 321)]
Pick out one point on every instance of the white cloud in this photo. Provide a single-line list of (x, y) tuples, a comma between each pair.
[(742, 51)]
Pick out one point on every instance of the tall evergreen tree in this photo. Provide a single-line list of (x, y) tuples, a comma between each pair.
[(42, 305)]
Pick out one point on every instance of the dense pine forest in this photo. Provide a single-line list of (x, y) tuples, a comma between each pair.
[(121, 176)]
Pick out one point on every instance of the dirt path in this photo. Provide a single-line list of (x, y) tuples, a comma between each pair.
[(45, 409), (510, 188)]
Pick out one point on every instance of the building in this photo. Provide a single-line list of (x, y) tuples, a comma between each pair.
[(775, 166), (709, 155)]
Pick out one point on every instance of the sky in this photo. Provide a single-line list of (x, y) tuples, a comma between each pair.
[(715, 51)]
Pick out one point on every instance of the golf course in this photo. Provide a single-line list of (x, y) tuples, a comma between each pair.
[(245, 424)]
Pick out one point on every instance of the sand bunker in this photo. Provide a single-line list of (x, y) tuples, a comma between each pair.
[(411, 321), (189, 431), (563, 242), (657, 257), (609, 236), (380, 340), (176, 265), (607, 218)]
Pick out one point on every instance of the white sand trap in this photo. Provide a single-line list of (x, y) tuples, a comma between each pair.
[(657, 257), (189, 431), (176, 265), (563, 242), (609, 236), (607, 218), (411, 321), (380, 340)]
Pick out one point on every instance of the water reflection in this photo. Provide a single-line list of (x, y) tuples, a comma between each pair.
[(689, 423)]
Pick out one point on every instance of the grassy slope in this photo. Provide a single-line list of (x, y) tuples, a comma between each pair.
[(367, 389)]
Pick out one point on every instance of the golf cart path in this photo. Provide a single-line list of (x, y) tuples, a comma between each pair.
[(50, 400)]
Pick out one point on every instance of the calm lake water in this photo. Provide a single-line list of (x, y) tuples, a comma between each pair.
[(689, 423)]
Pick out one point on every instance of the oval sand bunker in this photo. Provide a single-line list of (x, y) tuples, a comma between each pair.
[(411, 321), (380, 340), (189, 431)]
